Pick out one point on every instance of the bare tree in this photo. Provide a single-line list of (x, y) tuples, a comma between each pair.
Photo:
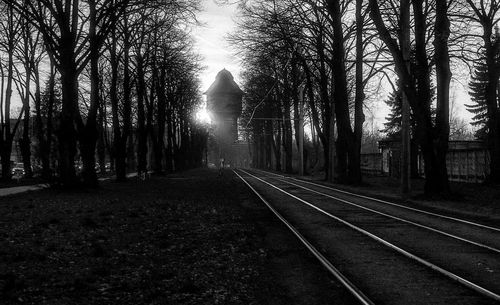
[(10, 26), (485, 19), (416, 86)]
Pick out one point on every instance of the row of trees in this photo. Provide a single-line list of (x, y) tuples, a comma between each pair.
[(113, 77), (335, 55)]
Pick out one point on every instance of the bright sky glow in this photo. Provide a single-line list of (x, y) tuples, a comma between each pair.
[(211, 41), (203, 116), (212, 45)]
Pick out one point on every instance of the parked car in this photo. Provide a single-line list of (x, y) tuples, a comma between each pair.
[(18, 170), (78, 166)]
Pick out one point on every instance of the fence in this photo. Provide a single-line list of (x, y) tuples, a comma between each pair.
[(466, 161)]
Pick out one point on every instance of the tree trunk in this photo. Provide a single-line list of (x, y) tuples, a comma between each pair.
[(43, 152), (127, 137), (492, 109), (150, 130), (6, 150), (25, 141), (262, 150), (268, 143), (443, 76), (142, 148), (328, 138), (295, 99), (88, 132), (345, 140), (417, 89), (67, 133), (7, 133), (426, 133), (47, 149), (119, 145), (101, 140), (277, 148), (359, 117), (160, 119), (169, 147), (287, 124)]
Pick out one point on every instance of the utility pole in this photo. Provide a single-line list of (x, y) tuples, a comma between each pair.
[(405, 120), (301, 131), (331, 141)]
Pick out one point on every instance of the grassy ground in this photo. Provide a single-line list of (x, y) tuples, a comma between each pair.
[(191, 238), (158, 241), (21, 182)]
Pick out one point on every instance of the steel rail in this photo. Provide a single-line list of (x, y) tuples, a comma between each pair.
[(390, 203), (395, 217), (356, 292), (432, 266)]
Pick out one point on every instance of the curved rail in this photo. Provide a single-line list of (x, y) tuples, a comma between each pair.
[(420, 260), (389, 203), (356, 292), (395, 217)]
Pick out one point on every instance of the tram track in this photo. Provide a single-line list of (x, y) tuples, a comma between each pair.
[(355, 291), (481, 235), (478, 244), (385, 202), (299, 192)]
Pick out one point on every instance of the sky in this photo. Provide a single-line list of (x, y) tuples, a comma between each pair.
[(211, 44), (219, 21), (210, 39)]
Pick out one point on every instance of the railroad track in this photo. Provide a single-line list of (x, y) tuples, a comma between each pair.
[(385, 253)]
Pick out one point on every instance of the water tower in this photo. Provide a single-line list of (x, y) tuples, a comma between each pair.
[(224, 104)]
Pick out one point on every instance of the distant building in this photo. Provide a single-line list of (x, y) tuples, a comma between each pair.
[(466, 161), (224, 103)]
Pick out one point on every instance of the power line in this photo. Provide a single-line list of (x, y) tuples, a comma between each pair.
[(270, 89)]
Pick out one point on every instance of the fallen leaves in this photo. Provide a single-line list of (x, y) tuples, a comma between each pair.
[(161, 242)]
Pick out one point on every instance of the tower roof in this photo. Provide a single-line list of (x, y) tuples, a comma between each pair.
[(224, 83)]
